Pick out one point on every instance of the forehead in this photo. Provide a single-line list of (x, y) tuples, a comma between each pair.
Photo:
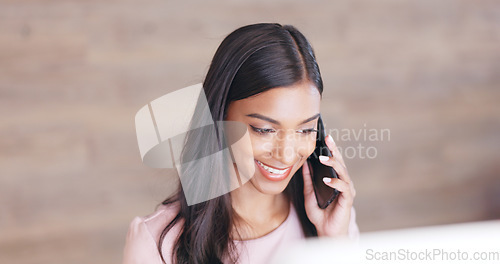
[(295, 102)]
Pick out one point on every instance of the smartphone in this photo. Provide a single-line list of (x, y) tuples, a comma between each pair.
[(324, 193)]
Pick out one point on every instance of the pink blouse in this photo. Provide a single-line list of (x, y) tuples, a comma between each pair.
[(144, 232)]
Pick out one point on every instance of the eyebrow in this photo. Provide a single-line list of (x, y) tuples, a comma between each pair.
[(268, 119)]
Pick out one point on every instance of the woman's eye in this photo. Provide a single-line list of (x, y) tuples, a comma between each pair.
[(307, 131), (262, 131)]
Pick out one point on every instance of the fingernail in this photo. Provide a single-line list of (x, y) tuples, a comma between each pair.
[(323, 158), (327, 180), (330, 138)]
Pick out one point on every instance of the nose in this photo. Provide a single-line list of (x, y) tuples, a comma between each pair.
[(285, 149)]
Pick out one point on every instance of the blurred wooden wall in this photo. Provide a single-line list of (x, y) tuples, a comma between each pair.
[(74, 73)]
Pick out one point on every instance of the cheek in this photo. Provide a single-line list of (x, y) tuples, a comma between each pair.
[(305, 149), (263, 148)]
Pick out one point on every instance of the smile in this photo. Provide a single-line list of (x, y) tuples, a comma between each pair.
[(272, 170), (271, 173)]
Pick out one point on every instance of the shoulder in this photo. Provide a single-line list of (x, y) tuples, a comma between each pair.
[(158, 220), (141, 245)]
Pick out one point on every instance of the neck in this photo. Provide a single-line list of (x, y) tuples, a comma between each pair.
[(254, 208), (247, 201)]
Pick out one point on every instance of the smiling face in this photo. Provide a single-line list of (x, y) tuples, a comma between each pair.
[(282, 123)]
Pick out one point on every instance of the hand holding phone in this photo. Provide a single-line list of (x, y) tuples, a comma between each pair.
[(325, 195)]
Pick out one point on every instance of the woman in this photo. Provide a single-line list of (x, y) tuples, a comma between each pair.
[(266, 77)]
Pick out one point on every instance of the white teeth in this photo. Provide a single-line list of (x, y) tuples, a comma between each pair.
[(272, 170)]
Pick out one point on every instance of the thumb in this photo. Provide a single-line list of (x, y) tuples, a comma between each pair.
[(308, 188)]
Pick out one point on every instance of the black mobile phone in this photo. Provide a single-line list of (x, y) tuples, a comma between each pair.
[(324, 193)]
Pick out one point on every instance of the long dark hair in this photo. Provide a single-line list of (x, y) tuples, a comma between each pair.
[(250, 60)]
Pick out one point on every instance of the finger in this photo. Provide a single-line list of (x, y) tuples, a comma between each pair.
[(338, 184), (340, 169), (337, 166), (343, 187), (308, 188), (333, 148), (337, 156)]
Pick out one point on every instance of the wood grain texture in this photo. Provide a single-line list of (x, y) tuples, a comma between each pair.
[(74, 73)]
